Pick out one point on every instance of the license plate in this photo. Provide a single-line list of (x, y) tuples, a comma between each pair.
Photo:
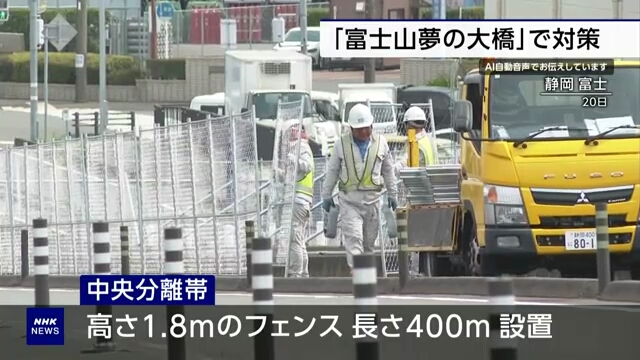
[(580, 240)]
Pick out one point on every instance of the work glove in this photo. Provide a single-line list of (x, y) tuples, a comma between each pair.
[(327, 204), (393, 203)]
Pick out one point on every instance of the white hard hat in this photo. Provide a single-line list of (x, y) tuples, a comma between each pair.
[(360, 116), (414, 113)]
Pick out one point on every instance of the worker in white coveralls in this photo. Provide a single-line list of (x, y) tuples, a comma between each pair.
[(298, 258), (415, 118), (361, 165)]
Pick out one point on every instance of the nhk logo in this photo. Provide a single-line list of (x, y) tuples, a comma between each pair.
[(45, 326)]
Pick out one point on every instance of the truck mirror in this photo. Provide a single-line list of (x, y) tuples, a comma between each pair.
[(244, 110), (462, 116)]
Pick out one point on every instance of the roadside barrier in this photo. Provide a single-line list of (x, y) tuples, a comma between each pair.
[(603, 257), (501, 297), (41, 261), (262, 284), (174, 264), (125, 260), (365, 299), (102, 266)]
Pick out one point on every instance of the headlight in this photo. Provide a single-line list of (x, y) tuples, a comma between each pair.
[(503, 206)]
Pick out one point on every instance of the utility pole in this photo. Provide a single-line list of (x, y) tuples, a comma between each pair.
[(34, 34), (81, 52), (616, 9), (102, 20), (154, 30), (556, 9), (302, 20), (370, 64)]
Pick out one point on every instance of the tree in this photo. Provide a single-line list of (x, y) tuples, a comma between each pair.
[(183, 4)]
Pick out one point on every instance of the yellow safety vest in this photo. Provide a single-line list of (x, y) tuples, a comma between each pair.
[(426, 149), (305, 185), (354, 182)]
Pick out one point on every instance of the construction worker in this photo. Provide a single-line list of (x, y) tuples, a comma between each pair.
[(298, 258), (361, 165), (416, 118)]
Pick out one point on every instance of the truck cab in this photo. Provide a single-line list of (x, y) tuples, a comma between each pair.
[(534, 163), (209, 103), (260, 79)]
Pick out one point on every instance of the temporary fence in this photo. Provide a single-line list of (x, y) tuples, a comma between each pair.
[(201, 176), (286, 151), (388, 121)]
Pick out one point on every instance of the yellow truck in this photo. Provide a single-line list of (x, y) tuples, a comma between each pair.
[(534, 161)]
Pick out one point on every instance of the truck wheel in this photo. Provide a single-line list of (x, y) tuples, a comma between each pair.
[(479, 264)]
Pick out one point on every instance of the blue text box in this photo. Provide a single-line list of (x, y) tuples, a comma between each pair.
[(45, 326), (147, 290)]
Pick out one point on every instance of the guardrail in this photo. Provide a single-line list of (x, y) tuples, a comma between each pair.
[(92, 121)]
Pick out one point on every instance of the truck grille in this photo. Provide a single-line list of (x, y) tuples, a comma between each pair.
[(270, 68), (558, 240), (587, 221)]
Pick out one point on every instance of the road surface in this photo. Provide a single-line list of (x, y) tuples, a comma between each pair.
[(577, 330), (24, 296)]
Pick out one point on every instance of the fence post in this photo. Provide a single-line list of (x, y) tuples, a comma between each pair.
[(76, 122), (403, 246), (41, 261), (365, 298), (262, 284), (102, 266), (24, 253), (174, 264), (249, 230), (603, 261), (124, 250), (501, 297), (133, 121), (96, 123)]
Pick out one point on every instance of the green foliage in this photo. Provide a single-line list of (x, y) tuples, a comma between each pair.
[(467, 13), (166, 69), (121, 70), (19, 23), (314, 15), (439, 81)]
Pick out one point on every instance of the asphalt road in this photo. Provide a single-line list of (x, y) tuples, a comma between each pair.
[(60, 297), (577, 330)]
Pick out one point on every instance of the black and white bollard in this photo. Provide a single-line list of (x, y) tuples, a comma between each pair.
[(250, 234), (102, 266), (402, 219), (24, 253), (365, 298), (41, 261), (502, 301), (124, 251), (603, 257), (262, 284), (174, 264)]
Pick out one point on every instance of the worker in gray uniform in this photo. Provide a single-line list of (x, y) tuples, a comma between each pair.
[(361, 164), (301, 214)]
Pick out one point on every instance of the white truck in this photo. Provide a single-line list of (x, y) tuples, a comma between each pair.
[(260, 79), (381, 98)]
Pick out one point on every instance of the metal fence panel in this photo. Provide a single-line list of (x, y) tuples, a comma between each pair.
[(289, 117), (185, 175)]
